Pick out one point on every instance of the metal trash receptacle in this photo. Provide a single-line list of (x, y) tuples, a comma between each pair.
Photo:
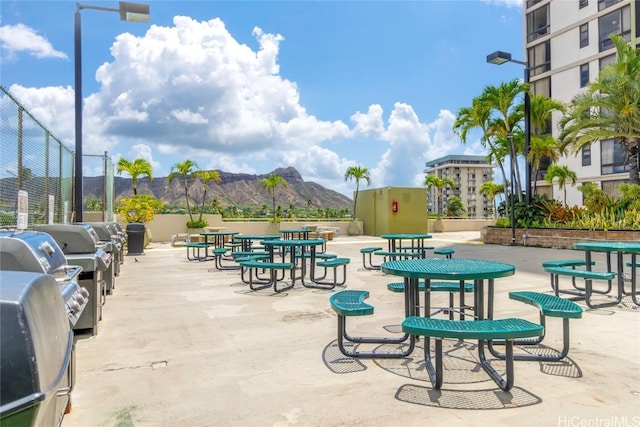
[(135, 238)]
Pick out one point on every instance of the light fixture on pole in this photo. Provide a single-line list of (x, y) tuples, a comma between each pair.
[(512, 205), (132, 12), (498, 58)]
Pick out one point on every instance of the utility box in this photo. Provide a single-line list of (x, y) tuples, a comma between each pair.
[(393, 210)]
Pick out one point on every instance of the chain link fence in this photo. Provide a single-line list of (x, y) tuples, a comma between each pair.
[(35, 162)]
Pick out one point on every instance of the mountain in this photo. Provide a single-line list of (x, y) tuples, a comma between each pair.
[(235, 189)]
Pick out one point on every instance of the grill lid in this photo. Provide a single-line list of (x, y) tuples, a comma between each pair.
[(35, 340), (32, 251), (72, 238)]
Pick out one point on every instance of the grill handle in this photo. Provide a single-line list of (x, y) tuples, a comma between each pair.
[(69, 366), (72, 271)]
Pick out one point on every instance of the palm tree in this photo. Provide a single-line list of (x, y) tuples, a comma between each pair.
[(439, 183), (206, 177), (136, 168), (543, 145), (479, 116), (357, 173), (270, 184), (186, 170), (491, 190), (502, 100), (564, 174), (609, 108)]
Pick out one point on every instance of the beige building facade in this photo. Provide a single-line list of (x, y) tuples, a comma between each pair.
[(468, 173), (567, 43)]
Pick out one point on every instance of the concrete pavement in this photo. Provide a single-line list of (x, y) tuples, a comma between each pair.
[(180, 345)]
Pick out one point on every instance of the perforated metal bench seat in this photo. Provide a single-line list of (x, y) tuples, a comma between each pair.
[(366, 253), (351, 303), (584, 274), (506, 329), (548, 305)]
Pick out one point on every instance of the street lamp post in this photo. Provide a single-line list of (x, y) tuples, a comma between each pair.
[(499, 58), (512, 207), (133, 12)]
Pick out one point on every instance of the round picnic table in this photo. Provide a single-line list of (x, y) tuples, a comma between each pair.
[(620, 249), (291, 246), (297, 233), (247, 239), (394, 242)]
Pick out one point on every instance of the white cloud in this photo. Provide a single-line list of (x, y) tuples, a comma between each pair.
[(191, 91), (507, 3), (20, 38)]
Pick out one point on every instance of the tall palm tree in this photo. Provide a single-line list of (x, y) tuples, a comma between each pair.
[(439, 183), (502, 99), (543, 145), (479, 116), (206, 177), (491, 190), (186, 171), (563, 174), (139, 167), (357, 173), (609, 108), (270, 184)]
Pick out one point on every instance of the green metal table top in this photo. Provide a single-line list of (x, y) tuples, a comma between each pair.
[(448, 269), (219, 233), (405, 236), (293, 242), (256, 237), (627, 247)]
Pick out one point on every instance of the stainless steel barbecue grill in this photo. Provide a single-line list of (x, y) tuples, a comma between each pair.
[(81, 246), (36, 351), (113, 246), (38, 252)]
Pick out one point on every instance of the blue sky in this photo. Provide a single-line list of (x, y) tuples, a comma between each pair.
[(249, 86)]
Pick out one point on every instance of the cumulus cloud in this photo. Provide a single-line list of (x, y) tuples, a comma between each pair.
[(507, 3), (20, 38), (191, 90)]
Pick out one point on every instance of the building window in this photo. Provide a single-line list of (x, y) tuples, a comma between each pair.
[(584, 35), (538, 23), (603, 4), (612, 157), (607, 60), (584, 75), (616, 22), (539, 58), (542, 87), (612, 188), (586, 156), (583, 3), (532, 2)]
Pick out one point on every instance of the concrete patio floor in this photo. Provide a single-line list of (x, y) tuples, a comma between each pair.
[(180, 345)]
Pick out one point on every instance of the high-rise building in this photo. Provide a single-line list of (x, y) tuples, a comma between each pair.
[(468, 173), (567, 43)]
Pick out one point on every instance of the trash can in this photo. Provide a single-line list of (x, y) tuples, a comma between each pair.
[(135, 238)]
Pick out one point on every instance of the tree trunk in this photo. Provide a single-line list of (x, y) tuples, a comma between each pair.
[(634, 165)]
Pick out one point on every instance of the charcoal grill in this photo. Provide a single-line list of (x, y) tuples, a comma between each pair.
[(38, 252), (36, 351), (81, 246)]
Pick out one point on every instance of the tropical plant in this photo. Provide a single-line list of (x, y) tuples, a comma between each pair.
[(491, 190), (206, 177), (593, 197), (609, 108), (270, 184), (357, 173), (139, 208), (563, 175), (439, 183), (455, 207), (186, 170), (93, 204), (139, 167)]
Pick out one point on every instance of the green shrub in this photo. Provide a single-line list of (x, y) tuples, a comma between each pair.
[(197, 223)]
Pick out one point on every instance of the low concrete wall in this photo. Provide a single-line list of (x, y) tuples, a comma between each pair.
[(556, 238), (462, 224), (166, 225)]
